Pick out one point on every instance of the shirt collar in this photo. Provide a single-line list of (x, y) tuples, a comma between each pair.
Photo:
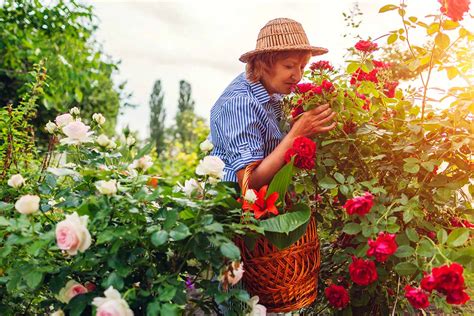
[(259, 91)]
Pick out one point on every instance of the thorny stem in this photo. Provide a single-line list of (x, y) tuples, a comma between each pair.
[(396, 298)]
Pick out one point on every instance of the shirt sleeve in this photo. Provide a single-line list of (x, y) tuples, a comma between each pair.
[(242, 128)]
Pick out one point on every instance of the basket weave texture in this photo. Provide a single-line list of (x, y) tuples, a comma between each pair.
[(284, 280)]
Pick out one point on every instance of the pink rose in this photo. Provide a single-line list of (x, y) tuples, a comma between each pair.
[(112, 304), (71, 289), (72, 234), (76, 132)]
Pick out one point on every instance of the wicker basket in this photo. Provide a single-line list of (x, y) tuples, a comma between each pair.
[(284, 280)]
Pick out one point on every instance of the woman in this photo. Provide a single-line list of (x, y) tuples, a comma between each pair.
[(245, 119)]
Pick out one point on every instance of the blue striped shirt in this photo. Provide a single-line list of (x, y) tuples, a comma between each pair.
[(244, 125)]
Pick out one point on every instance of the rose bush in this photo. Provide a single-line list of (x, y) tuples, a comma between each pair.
[(96, 233)]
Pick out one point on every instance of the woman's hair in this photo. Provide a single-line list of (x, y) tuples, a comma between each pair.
[(263, 63)]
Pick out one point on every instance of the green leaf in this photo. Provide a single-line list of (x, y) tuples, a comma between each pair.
[(170, 309), (458, 237), (327, 183), (281, 181), (159, 238), (442, 40), (282, 240), (411, 168), (230, 250), (352, 67), (433, 28), (388, 7), (425, 249), (442, 236), (166, 293), (33, 278), (452, 72), (287, 222), (412, 234), (180, 232), (339, 177), (113, 280), (4, 221), (404, 251), (352, 228), (405, 268), (145, 150), (392, 38), (5, 206)]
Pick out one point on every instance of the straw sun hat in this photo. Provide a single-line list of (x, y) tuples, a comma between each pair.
[(282, 35)]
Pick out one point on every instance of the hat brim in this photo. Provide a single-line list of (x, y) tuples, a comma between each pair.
[(315, 51)]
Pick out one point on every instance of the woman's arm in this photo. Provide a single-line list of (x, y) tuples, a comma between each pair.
[(309, 124)]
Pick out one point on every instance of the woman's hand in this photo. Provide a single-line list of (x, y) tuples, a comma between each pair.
[(314, 121)]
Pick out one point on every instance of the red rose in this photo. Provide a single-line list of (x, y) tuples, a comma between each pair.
[(297, 111), (304, 150), (449, 278), (416, 297), (366, 46), (383, 247), (454, 9), (317, 90), (389, 88), (337, 296), (366, 105), (327, 85), (304, 87), (428, 283), (321, 65), (304, 146), (457, 297), (362, 272), (360, 205)]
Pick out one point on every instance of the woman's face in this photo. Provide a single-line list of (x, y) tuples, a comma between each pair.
[(285, 73)]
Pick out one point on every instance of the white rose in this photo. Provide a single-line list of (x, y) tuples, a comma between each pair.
[(59, 312), (98, 118), (190, 186), (103, 140), (112, 304), (206, 146), (143, 163), (75, 111), (76, 132), (51, 127), (112, 145), (250, 196), (106, 187), (130, 140), (16, 181), (213, 180), (211, 166), (72, 234), (71, 289), (257, 309), (64, 119), (27, 204)]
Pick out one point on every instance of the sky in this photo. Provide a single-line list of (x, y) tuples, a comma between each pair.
[(201, 41)]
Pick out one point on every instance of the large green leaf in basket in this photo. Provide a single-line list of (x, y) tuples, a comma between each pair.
[(281, 180), (282, 240), (298, 215)]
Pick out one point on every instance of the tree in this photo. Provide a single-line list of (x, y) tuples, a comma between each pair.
[(79, 73), (157, 117), (185, 113)]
